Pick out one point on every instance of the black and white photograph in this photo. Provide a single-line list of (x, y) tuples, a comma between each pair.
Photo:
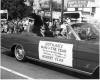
[(49, 39)]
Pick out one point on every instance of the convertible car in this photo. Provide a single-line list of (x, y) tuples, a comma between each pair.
[(81, 56)]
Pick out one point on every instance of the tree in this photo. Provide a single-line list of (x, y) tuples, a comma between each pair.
[(16, 8), (56, 6)]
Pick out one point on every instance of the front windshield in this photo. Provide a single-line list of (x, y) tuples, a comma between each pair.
[(86, 31)]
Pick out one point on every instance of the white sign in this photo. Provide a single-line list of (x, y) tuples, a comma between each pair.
[(56, 15), (3, 11), (77, 3), (61, 53), (80, 3)]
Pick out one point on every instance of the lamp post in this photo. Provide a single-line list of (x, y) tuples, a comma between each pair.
[(62, 10), (51, 10)]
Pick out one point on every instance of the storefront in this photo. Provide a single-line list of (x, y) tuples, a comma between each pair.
[(88, 7), (81, 5)]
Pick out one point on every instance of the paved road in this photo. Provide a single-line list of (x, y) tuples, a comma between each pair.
[(32, 69), (9, 75)]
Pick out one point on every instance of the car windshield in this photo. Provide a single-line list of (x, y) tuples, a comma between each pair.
[(86, 31)]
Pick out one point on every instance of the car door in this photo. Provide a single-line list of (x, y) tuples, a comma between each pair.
[(87, 56)]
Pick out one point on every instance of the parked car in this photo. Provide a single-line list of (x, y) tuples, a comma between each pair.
[(81, 56)]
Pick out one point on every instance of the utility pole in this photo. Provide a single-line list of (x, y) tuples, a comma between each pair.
[(51, 10), (62, 10)]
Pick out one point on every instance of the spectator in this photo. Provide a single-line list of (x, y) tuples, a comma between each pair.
[(50, 25), (54, 27), (64, 28), (68, 20), (11, 27), (57, 24), (21, 28), (31, 24), (25, 24), (5, 27)]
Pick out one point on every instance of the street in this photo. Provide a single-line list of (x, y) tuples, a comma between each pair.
[(31, 69)]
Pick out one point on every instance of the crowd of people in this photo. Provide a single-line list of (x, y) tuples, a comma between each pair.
[(39, 25), (35, 23), (15, 25)]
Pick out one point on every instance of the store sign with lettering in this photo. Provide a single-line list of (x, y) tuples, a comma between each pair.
[(56, 52), (77, 3)]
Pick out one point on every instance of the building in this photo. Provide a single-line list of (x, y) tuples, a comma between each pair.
[(91, 7)]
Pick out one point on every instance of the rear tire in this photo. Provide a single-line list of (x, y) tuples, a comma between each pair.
[(19, 53)]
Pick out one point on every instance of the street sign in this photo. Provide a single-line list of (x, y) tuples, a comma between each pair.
[(4, 14)]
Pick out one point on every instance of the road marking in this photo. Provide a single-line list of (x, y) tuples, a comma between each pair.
[(17, 73)]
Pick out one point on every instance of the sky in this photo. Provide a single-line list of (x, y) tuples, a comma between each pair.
[(97, 2)]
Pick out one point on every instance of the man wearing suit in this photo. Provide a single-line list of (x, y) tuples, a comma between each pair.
[(45, 33)]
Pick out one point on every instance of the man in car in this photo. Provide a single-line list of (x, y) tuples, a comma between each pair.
[(37, 23), (45, 33)]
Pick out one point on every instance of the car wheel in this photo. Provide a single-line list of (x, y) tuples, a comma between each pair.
[(19, 53)]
